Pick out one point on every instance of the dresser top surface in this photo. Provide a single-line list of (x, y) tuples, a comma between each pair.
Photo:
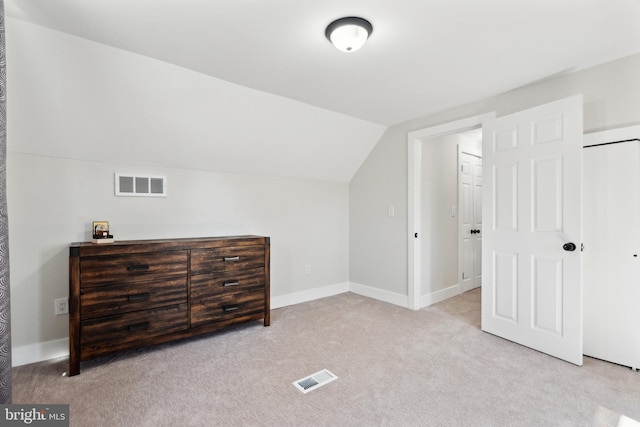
[(132, 246)]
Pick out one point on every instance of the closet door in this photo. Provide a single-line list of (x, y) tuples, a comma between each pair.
[(470, 221), (611, 207)]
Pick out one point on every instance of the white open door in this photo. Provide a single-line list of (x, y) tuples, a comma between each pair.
[(532, 263)]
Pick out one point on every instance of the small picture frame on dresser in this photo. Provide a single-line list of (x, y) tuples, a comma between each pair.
[(100, 232)]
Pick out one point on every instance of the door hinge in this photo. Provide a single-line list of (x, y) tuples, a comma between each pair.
[(581, 247)]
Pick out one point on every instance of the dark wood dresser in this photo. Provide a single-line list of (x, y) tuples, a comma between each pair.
[(136, 293)]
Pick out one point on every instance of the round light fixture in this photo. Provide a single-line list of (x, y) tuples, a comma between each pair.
[(349, 34)]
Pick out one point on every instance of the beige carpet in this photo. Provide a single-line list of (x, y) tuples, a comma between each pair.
[(396, 367)]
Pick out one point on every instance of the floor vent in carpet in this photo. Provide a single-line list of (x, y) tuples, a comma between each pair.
[(314, 381)]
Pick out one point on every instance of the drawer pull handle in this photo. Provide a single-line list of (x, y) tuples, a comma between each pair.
[(231, 258), (231, 283), (230, 308), (140, 267), (139, 327), (139, 297)]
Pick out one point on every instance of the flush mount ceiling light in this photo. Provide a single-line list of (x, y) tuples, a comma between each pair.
[(349, 34)]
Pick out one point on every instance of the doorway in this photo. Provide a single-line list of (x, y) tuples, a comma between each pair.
[(419, 246), (525, 300)]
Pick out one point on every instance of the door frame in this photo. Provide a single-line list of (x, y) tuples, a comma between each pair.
[(414, 198)]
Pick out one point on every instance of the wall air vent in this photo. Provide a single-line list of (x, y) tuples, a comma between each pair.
[(314, 381), (139, 185)]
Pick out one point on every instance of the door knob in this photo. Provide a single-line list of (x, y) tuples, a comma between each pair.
[(569, 247)]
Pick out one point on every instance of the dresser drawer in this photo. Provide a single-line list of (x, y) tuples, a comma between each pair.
[(97, 301), (232, 282), (231, 258), (99, 334), (225, 307), (132, 268)]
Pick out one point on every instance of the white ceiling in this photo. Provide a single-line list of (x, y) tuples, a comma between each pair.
[(424, 56)]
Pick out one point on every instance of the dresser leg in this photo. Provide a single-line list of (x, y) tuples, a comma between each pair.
[(74, 368)]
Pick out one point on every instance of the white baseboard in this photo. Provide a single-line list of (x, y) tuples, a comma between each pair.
[(309, 295), (379, 294), (59, 348), (441, 295), (38, 352)]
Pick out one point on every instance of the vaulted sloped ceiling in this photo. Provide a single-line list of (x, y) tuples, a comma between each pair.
[(77, 99), (274, 87)]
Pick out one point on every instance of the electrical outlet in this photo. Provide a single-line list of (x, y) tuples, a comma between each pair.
[(307, 269), (61, 306)]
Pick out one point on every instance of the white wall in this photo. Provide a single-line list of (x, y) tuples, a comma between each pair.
[(379, 257), (52, 202), (439, 196), (237, 161), (378, 245)]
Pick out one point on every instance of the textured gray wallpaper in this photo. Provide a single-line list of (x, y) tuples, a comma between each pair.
[(5, 309)]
